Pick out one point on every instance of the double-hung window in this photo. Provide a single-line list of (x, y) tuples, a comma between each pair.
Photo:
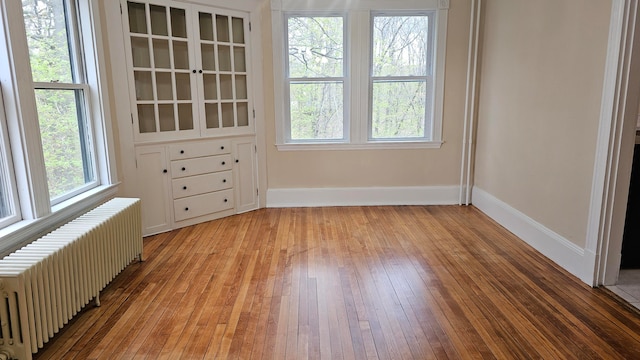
[(58, 72), (55, 126), (401, 84), (315, 77), (359, 74)]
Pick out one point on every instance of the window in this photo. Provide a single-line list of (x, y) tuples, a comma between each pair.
[(55, 159), (359, 76), (315, 77), (401, 79), (59, 80)]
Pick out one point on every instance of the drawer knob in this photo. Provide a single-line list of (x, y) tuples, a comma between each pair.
[(181, 151), (164, 171), (184, 188), (223, 163), (237, 161), (221, 147), (186, 209), (194, 71), (183, 169), (224, 180), (225, 200)]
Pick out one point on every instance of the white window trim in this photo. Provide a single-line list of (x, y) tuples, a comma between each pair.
[(38, 214), (358, 44), (8, 162)]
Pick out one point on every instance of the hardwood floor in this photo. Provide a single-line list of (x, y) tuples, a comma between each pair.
[(413, 282)]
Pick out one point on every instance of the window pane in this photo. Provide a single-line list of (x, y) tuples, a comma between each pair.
[(316, 46), (317, 111), (46, 26), (65, 144), (398, 109), (400, 45)]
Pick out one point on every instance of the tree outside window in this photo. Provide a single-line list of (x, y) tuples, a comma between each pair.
[(400, 77), (58, 75), (316, 77)]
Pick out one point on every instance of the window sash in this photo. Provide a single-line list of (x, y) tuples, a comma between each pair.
[(84, 136), (87, 153), (7, 178), (429, 98), (289, 80)]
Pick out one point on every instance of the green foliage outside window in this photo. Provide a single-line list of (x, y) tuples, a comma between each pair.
[(316, 55), (60, 111)]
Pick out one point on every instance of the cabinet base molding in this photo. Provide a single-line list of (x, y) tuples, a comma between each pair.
[(365, 196), (204, 218)]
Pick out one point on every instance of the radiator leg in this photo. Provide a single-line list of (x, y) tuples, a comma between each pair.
[(98, 300), (140, 257)]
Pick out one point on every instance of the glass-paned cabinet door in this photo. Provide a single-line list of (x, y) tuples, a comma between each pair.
[(162, 70), (222, 44)]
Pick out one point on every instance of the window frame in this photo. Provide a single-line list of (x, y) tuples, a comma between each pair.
[(344, 79), (428, 78), (6, 166), (358, 42), (38, 214), (83, 104)]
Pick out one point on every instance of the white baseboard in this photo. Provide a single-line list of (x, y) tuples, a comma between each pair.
[(563, 252), (369, 196)]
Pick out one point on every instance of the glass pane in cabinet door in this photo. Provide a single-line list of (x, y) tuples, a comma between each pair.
[(137, 17), (226, 87), (206, 27), (224, 58), (227, 115), (185, 116), (140, 52), (239, 64), (166, 117), (161, 57), (211, 113), (164, 86), (158, 20), (143, 84), (180, 55), (208, 57), (222, 28), (243, 114), (178, 23), (146, 118), (238, 30), (210, 87), (183, 86), (241, 87)]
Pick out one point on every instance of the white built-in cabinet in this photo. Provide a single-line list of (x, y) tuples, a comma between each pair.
[(192, 115)]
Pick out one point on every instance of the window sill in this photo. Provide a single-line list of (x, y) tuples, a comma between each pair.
[(23, 232), (396, 145)]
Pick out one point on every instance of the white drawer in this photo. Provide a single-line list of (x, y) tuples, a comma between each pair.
[(194, 206), (199, 149), (202, 165), (200, 184)]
